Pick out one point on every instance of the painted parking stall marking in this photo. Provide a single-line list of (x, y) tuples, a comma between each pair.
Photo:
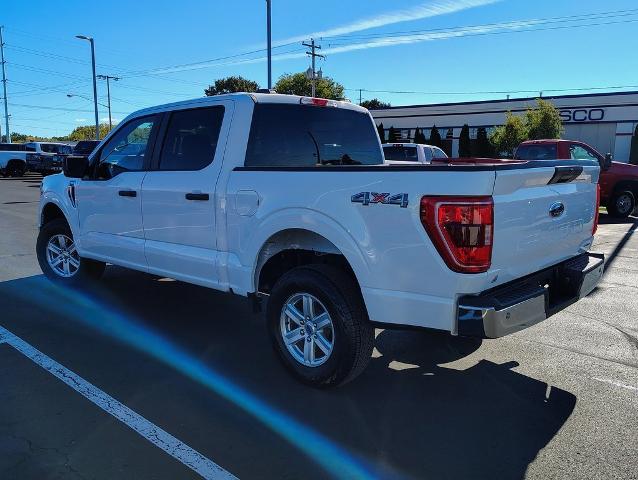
[(151, 432)]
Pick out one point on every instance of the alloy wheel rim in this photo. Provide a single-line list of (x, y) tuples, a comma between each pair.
[(307, 329), (623, 204), (62, 256)]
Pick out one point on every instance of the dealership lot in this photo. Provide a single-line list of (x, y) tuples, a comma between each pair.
[(559, 400)]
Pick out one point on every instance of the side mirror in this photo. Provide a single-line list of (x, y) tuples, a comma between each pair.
[(606, 163), (75, 167)]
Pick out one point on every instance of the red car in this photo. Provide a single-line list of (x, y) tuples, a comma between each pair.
[(618, 181)]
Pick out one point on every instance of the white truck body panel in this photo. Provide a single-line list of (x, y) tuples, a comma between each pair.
[(402, 277)]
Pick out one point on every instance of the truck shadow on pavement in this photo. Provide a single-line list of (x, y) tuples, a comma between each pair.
[(409, 413)]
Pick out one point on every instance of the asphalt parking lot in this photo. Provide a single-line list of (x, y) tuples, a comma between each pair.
[(80, 372)]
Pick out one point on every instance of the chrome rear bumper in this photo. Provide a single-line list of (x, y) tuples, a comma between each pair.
[(528, 301)]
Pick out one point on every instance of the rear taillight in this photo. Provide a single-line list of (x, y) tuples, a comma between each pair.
[(596, 212), (462, 230)]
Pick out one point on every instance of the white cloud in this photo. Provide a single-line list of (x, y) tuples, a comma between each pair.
[(79, 120), (419, 12)]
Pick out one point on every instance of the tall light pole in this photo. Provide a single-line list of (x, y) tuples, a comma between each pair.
[(269, 44), (4, 86), (108, 94), (97, 120)]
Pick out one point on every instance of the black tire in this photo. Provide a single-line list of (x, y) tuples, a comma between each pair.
[(353, 339), (88, 271), (621, 204), (15, 168)]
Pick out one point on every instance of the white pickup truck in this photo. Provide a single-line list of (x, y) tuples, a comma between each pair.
[(13, 159), (411, 153), (287, 199)]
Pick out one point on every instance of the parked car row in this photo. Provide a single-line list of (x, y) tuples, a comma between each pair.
[(41, 157)]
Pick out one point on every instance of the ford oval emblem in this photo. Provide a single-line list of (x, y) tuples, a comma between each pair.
[(556, 209)]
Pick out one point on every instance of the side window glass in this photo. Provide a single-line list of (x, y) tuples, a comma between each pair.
[(191, 139), (580, 153), (126, 150)]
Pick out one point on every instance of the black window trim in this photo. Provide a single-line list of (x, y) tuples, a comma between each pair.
[(152, 139), (163, 130)]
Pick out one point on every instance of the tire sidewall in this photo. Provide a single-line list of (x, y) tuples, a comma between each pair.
[(342, 357), (57, 227)]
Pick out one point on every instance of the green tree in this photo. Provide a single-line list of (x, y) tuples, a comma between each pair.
[(381, 132), (86, 132), (465, 144), (633, 154), (543, 121), (231, 85), (374, 104), (483, 146), (393, 135), (435, 137), (507, 137), (299, 84), (419, 136)]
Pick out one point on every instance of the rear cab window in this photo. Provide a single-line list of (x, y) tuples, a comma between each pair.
[(537, 152), (293, 135), (401, 153)]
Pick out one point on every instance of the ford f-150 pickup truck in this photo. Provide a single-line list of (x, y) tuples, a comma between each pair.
[(618, 181), (287, 199), (13, 159)]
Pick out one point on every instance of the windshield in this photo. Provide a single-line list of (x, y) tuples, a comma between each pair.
[(401, 153), (301, 135), (56, 148)]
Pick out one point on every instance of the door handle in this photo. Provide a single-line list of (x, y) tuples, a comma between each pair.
[(197, 196), (127, 193)]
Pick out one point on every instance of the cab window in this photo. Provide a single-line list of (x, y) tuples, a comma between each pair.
[(126, 150), (401, 153), (191, 139), (578, 152)]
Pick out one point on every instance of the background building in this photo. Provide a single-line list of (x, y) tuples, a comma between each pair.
[(606, 121)]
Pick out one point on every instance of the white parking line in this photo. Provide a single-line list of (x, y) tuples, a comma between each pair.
[(154, 434), (616, 384)]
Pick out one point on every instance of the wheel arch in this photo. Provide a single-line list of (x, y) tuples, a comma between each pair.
[(631, 185), (294, 247)]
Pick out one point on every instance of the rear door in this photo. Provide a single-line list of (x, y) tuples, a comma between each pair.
[(542, 216), (178, 195)]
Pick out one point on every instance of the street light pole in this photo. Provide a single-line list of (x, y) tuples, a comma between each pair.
[(97, 120), (268, 2)]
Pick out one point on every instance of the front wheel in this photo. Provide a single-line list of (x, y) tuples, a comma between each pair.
[(622, 204), (59, 258), (319, 326)]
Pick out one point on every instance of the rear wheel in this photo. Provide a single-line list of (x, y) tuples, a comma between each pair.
[(59, 259), (622, 203), (319, 326), (16, 168)]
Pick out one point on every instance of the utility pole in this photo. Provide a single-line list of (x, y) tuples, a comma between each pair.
[(269, 41), (4, 86), (313, 55), (108, 94), (360, 96)]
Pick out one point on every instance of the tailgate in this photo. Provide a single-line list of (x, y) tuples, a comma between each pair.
[(542, 216)]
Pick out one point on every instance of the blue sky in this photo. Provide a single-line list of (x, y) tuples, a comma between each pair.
[(450, 50)]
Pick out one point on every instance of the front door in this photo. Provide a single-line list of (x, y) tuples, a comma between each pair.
[(109, 202), (178, 195)]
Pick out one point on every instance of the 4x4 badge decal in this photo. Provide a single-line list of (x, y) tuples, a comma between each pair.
[(366, 198)]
